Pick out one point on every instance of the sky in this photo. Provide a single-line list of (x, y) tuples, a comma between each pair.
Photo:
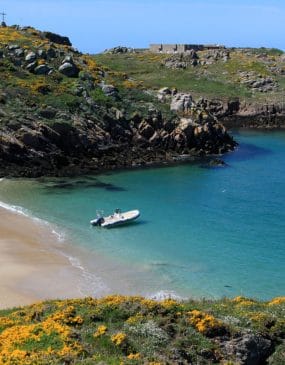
[(95, 25)]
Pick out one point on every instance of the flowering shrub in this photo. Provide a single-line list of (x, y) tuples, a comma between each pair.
[(277, 301), (205, 323), (134, 356), (101, 330), (118, 338)]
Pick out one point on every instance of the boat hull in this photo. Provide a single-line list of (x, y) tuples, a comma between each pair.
[(116, 219)]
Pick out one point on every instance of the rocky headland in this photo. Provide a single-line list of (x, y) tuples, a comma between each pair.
[(63, 114), (241, 87)]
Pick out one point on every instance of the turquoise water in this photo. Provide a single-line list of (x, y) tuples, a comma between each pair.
[(202, 232)]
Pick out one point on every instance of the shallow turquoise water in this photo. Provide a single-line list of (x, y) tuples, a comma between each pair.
[(202, 232)]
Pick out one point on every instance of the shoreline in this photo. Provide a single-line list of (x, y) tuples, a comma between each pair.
[(30, 269), (36, 265)]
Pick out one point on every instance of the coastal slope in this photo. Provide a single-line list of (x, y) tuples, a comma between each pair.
[(62, 114), (135, 330)]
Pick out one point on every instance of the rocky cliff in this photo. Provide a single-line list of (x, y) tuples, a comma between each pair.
[(61, 113)]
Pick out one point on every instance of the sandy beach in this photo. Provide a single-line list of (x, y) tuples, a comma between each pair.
[(29, 269)]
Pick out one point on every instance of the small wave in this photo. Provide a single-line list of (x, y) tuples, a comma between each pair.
[(165, 294), (90, 284), (26, 213), (16, 209)]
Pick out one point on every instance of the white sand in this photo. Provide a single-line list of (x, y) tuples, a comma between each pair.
[(29, 270)]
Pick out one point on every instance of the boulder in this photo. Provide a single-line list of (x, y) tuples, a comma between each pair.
[(42, 53), (248, 349), (19, 52), (181, 102), (119, 49), (48, 113), (164, 93), (146, 130), (68, 59), (13, 47), (31, 66), (109, 90), (42, 70), (30, 57), (51, 53), (69, 69), (56, 38)]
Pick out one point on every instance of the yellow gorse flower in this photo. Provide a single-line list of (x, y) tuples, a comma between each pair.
[(101, 330), (276, 301), (118, 338), (134, 356), (203, 322)]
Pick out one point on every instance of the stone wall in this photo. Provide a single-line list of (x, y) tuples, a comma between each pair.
[(181, 48)]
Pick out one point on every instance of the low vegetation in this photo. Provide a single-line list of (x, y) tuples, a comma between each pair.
[(217, 79), (135, 330)]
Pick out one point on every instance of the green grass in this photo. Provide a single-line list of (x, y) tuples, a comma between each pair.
[(217, 80)]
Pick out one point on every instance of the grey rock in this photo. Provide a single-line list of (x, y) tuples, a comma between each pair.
[(56, 38), (182, 60), (164, 93), (68, 69), (68, 59), (109, 90), (51, 53), (42, 53), (31, 57), (119, 49), (48, 113), (31, 66), (19, 52), (146, 130), (13, 47), (248, 349), (42, 70), (181, 102)]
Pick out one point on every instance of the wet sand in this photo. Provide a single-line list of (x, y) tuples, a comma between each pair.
[(29, 269)]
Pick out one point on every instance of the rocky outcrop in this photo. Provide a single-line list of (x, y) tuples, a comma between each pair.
[(56, 38), (80, 144), (234, 113), (68, 67), (247, 349), (257, 82), (181, 102), (119, 50), (182, 60)]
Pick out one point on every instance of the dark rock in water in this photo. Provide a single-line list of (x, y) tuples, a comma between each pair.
[(56, 38), (217, 163)]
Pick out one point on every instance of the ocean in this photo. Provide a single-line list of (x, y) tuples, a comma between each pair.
[(203, 232)]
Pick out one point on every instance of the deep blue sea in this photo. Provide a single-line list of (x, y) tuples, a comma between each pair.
[(203, 232)]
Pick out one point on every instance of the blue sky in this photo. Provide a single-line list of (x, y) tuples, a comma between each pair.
[(94, 25)]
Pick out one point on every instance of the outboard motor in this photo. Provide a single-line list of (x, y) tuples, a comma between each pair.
[(97, 221)]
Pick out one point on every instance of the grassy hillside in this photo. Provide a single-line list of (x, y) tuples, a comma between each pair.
[(219, 79), (23, 90), (134, 330)]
